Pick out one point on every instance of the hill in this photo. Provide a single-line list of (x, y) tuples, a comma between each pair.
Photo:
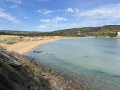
[(15, 76), (108, 30)]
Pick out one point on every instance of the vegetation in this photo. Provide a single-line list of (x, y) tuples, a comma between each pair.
[(16, 77), (29, 75), (29, 69), (12, 40), (113, 34), (104, 31), (109, 30)]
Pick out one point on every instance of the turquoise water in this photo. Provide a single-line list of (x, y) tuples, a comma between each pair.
[(94, 63)]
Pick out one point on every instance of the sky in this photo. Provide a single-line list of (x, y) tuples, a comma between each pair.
[(51, 15)]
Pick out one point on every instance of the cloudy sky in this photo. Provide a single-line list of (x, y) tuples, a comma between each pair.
[(50, 15)]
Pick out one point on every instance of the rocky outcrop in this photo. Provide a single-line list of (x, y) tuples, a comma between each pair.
[(18, 72), (9, 57)]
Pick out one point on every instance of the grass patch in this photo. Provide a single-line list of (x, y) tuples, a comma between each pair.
[(29, 69), (5, 66)]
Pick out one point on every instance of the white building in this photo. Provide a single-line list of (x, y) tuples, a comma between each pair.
[(118, 33)]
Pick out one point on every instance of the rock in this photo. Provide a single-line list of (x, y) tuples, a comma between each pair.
[(34, 51)]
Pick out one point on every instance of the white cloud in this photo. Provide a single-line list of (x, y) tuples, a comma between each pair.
[(51, 23), (47, 12), (104, 12), (73, 10), (44, 11), (46, 20), (104, 15), (7, 16), (55, 19), (15, 1), (70, 10), (76, 10)]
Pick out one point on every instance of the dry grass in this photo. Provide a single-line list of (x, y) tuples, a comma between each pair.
[(12, 40)]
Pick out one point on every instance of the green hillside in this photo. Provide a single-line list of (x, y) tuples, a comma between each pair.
[(108, 30)]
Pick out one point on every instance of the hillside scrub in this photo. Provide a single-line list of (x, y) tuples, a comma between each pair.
[(79, 32), (12, 40)]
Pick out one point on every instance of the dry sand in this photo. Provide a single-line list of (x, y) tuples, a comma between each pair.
[(28, 43)]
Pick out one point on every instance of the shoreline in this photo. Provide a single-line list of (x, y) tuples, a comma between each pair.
[(33, 42), (52, 40), (34, 75), (27, 46), (24, 47), (54, 77)]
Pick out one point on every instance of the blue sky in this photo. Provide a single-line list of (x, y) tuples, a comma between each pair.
[(50, 15)]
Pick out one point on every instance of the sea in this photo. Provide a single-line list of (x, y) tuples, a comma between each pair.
[(89, 62)]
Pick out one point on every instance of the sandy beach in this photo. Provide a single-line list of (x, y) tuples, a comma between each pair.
[(23, 45), (27, 43)]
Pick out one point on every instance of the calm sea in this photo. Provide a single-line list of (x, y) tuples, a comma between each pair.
[(94, 63)]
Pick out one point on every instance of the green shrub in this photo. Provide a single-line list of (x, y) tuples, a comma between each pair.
[(29, 69), (112, 34)]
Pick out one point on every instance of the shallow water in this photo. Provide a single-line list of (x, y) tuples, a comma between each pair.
[(94, 63)]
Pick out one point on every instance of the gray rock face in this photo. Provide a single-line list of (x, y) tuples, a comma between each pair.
[(9, 57)]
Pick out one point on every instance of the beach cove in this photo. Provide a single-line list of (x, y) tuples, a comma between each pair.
[(33, 43), (45, 78), (29, 43), (90, 62)]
